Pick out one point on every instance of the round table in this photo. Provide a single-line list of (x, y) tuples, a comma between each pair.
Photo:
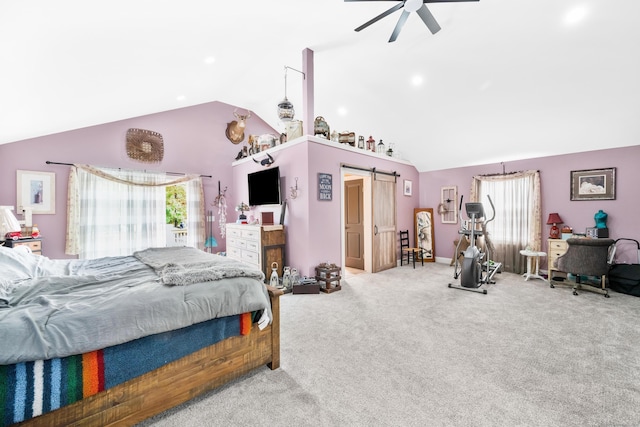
[(533, 263)]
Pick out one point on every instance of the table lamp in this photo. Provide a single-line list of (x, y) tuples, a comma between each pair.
[(9, 225), (553, 220)]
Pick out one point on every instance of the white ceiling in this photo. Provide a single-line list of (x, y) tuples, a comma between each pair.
[(503, 80)]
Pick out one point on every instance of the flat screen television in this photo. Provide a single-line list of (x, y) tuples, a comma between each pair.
[(264, 187)]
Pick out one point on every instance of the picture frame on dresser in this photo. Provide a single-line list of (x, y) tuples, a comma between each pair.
[(36, 190)]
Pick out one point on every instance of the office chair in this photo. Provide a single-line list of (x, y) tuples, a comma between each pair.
[(587, 257)]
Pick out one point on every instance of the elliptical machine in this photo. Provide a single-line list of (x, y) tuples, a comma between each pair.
[(473, 272)]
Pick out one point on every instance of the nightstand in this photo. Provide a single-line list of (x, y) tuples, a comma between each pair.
[(35, 244), (556, 248)]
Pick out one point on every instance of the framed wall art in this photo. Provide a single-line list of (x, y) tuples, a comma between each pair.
[(325, 186), (36, 190), (448, 208), (424, 239), (408, 187), (593, 184)]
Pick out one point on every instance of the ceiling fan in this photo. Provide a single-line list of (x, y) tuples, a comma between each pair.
[(409, 6)]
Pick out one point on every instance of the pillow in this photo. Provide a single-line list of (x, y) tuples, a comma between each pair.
[(17, 265)]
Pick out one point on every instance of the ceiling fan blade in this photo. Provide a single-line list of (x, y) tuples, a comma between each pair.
[(379, 17), (399, 25), (428, 19)]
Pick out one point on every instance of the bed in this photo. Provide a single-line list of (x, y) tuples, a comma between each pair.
[(116, 340)]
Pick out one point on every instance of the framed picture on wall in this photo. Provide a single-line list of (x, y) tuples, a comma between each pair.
[(593, 184), (423, 222), (36, 190), (408, 187)]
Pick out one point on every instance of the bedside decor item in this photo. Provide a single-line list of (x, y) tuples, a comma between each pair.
[(408, 187), (593, 184), (144, 145), (274, 280), (554, 220), (36, 190), (325, 187), (328, 277), (9, 225), (235, 128)]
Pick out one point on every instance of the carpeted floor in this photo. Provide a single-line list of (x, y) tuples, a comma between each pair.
[(399, 348)]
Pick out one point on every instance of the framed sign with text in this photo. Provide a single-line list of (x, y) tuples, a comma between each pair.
[(325, 186)]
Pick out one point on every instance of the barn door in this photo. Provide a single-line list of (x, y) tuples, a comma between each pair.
[(384, 221)]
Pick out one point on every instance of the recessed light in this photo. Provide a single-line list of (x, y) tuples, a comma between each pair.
[(342, 111), (181, 97), (575, 15), (417, 80), (209, 60)]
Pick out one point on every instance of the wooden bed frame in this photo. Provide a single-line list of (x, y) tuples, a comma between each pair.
[(177, 382)]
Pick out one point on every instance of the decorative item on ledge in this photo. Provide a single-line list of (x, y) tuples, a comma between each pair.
[(371, 144), (328, 277), (554, 220), (380, 148)]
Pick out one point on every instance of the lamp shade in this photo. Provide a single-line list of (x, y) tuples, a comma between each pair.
[(554, 218), (8, 222)]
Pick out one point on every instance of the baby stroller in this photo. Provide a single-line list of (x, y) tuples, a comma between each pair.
[(624, 277)]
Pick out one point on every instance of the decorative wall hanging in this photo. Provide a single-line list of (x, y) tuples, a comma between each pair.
[(325, 186), (448, 209), (235, 128), (145, 145), (408, 187), (593, 184)]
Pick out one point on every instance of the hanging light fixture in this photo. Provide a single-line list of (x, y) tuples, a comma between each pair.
[(286, 111)]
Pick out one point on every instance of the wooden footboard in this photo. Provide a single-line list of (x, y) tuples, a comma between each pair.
[(176, 382)]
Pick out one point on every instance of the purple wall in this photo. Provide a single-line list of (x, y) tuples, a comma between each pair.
[(194, 142), (313, 227), (555, 189)]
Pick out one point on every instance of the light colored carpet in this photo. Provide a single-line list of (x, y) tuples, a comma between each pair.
[(399, 348)]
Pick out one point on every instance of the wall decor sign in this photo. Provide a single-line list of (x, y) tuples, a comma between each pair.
[(593, 184), (408, 187), (325, 186), (36, 190)]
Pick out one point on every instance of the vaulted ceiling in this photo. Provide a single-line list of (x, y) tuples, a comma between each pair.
[(502, 80)]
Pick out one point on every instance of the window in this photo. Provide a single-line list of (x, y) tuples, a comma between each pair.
[(117, 212), (517, 224)]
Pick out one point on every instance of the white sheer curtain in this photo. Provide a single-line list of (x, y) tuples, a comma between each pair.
[(517, 223), (196, 230), (117, 212)]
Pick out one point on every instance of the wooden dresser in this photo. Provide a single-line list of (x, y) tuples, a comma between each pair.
[(257, 245), (555, 247)]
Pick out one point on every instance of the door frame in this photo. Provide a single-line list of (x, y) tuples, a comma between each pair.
[(347, 174)]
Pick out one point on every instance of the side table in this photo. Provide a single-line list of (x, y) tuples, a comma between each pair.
[(533, 263)]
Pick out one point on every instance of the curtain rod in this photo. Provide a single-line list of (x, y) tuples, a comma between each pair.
[(374, 170), (172, 173)]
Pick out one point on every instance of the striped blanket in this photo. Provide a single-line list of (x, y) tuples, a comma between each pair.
[(29, 389)]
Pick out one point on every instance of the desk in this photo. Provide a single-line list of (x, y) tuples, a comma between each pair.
[(533, 262)]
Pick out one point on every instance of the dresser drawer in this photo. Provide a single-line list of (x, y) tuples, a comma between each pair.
[(233, 232), (235, 253), (252, 245), (251, 257), (251, 234), (558, 246)]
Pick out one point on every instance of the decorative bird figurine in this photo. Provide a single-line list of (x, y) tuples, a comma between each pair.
[(266, 162)]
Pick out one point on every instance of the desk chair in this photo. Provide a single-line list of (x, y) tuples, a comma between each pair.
[(586, 257), (408, 251)]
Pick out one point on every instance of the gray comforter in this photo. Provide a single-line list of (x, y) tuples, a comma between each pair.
[(70, 307)]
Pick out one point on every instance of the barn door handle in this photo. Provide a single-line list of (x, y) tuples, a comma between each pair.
[(375, 230)]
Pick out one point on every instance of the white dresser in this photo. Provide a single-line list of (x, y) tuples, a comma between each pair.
[(257, 245)]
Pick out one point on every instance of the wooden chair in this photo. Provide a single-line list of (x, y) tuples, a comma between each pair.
[(408, 251)]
